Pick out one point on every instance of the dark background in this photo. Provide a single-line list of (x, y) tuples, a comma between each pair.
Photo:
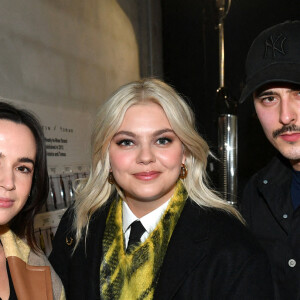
[(191, 65)]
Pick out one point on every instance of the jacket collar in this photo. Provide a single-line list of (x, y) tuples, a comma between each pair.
[(274, 183), (14, 246), (27, 267), (186, 249)]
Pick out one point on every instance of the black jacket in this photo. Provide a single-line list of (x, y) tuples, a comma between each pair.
[(267, 208), (211, 255)]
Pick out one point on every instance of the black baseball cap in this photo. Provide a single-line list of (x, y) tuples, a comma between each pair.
[(274, 56)]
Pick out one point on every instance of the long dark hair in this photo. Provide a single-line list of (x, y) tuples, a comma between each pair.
[(22, 223)]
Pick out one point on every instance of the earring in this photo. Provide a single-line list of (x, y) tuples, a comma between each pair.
[(183, 171), (111, 179)]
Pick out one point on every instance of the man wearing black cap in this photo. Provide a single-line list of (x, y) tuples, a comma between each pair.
[(271, 201)]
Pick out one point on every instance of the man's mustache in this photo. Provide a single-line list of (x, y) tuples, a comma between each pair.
[(285, 128)]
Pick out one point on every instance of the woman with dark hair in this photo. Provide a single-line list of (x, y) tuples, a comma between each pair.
[(145, 224), (25, 271)]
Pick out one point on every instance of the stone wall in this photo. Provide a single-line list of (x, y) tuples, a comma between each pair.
[(72, 52)]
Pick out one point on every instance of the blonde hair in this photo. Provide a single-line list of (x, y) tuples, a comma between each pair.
[(95, 191)]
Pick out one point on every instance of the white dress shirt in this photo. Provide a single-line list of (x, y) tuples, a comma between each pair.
[(149, 221)]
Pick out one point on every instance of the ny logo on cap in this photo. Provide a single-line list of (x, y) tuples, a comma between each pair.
[(274, 44)]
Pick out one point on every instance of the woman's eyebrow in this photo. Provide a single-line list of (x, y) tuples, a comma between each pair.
[(26, 160), (22, 159), (124, 132), (162, 131), (155, 133)]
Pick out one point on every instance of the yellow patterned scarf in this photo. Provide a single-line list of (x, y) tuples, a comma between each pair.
[(135, 275)]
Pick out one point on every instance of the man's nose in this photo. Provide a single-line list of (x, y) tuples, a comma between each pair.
[(288, 112)]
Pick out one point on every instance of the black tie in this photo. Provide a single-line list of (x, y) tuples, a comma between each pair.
[(137, 230)]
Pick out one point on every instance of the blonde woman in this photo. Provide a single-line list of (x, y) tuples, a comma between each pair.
[(145, 224)]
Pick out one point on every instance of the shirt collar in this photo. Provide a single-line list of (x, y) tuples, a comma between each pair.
[(149, 221)]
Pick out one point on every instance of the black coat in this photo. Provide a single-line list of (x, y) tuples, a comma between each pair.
[(267, 208), (211, 255)]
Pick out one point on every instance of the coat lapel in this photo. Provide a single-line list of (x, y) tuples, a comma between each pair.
[(187, 248), (27, 278), (31, 279), (93, 253)]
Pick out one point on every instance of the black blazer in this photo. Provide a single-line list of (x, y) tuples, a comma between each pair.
[(211, 255)]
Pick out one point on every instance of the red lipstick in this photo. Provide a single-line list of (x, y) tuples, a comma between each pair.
[(147, 175)]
